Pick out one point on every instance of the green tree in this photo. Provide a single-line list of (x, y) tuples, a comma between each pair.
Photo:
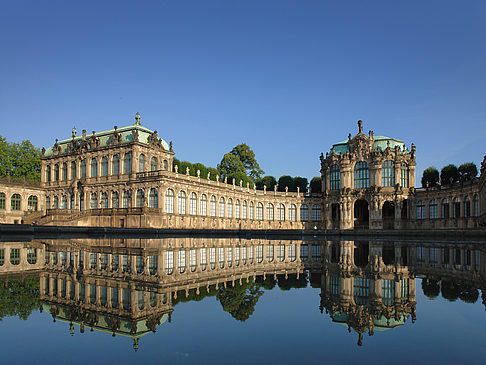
[(286, 181), (247, 157), (231, 165), (20, 159), (268, 181), (213, 173), (431, 176), (316, 185), (176, 162), (449, 174), (203, 169), (467, 171), (184, 165), (431, 288), (239, 300), (19, 297), (302, 183)]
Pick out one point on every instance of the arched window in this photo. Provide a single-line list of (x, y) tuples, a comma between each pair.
[(193, 204), (56, 172), (153, 164), (104, 200), (293, 212), (71, 201), (73, 170), (420, 210), (127, 199), (93, 203), (166, 165), (203, 205), (476, 206), (335, 178), (467, 207), (259, 211), (281, 212), (127, 163), (115, 200), (116, 165), (140, 198), (169, 201), (304, 213), (251, 210), (433, 209), (48, 173), (361, 175), (83, 169), (48, 202), (221, 207), (212, 206), (230, 208), (270, 212), (56, 202), (104, 166), (445, 208), (15, 202), (237, 209), (388, 173), (2, 201), (153, 198), (141, 163), (94, 167), (316, 213), (63, 202), (64, 171), (404, 181), (244, 210), (182, 202), (456, 208), (31, 203)]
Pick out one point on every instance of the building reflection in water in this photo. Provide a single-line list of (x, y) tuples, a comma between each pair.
[(129, 287)]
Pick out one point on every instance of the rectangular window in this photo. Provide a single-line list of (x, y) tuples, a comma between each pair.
[(2, 256), (15, 256), (293, 252), (259, 253), (212, 257), (270, 250), (192, 259), (280, 253), (433, 255), (221, 257), (316, 252), (243, 254), (420, 255), (204, 261), (169, 262), (304, 252), (181, 260)]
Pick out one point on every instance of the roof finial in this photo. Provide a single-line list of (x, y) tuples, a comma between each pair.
[(360, 126), (137, 119)]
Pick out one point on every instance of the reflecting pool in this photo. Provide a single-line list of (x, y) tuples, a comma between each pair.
[(230, 300)]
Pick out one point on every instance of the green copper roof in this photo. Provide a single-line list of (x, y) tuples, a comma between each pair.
[(106, 136), (381, 143)]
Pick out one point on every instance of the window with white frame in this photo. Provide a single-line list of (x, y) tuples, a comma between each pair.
[(270, 211), (221, 207), (292, 212), (212, 206), (203, 205), (193, 204), (181, 202)]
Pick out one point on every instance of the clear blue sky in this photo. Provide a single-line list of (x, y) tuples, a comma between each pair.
[(289, 78)]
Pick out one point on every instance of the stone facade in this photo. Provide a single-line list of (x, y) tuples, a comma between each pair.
[(124, 177), (367, 181), (21, 200)]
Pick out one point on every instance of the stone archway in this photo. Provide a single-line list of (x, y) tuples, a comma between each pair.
[(361, 214), (388, 215)]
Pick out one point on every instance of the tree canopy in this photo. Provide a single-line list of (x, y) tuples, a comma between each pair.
[(247, 157), (239, 300), (316, 185), (268, 181), (467, 171), (20, 159), (19, 298), (449, 174), (431, 176)]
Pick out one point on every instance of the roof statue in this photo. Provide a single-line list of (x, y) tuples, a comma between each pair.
[(74, 132), (137, 119), (360, 126)]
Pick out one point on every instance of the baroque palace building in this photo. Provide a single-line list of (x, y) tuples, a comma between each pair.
[(124, 177)]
